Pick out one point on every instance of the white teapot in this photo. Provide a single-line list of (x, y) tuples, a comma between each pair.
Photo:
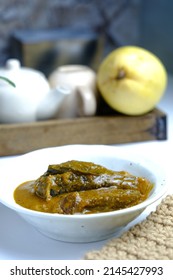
[(31, 98)]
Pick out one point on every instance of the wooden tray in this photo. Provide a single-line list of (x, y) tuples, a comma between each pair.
[(110, 129)]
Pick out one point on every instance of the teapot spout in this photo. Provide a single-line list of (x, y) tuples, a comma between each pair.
[(50, 105)]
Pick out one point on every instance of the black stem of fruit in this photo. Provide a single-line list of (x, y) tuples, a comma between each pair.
[(121, 74)]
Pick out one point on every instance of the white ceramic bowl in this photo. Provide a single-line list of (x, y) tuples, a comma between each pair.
[(78, 228)]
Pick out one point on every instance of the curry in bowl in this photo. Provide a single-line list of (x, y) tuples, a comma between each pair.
[(79, 187)]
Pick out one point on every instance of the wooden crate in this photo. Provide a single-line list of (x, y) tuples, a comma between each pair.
[(110, 129)]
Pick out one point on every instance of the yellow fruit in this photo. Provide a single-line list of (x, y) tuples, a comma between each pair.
[(132, 80)]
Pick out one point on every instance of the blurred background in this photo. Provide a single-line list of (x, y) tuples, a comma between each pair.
[(44, 34)]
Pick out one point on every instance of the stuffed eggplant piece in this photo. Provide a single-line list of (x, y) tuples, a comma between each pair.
[(96, 201), (78, 176), (77, 187)]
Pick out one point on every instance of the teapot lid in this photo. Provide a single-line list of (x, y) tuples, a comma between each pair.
[(18, 74), (12, 64)]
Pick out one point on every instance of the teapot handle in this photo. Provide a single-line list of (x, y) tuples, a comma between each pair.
[(87, 103)]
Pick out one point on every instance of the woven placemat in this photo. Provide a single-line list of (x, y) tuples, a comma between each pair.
[(152, 239)]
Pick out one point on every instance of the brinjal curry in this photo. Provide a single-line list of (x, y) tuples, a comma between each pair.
[(75, 187)]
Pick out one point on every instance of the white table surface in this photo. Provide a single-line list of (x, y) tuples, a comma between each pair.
[(18, 240)]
